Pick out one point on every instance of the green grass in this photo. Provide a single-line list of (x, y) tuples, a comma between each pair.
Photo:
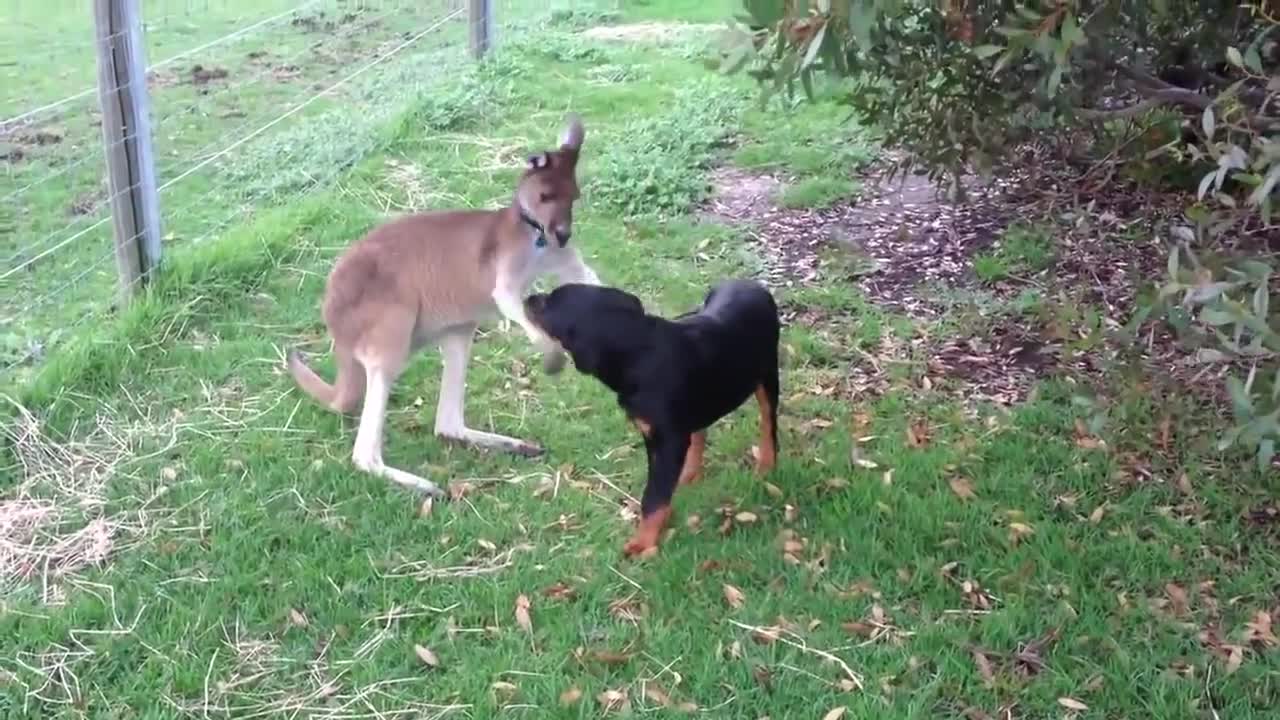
[(254, 565), (221, 156), (1021, 250)]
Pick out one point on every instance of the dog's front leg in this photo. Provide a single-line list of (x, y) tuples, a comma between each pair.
[(666, 458)]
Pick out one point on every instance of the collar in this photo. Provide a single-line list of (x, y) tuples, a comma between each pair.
[(527, 219)]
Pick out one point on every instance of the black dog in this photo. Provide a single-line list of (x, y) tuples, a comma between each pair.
[(674, 378)]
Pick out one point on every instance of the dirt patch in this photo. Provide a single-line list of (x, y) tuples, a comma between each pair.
[(652, 33), (18, 140), (911, 249), (201, 75)]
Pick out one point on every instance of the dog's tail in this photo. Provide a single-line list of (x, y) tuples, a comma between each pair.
[(343, 396)]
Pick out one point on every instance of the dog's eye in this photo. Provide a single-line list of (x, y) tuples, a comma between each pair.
[(547, 197)]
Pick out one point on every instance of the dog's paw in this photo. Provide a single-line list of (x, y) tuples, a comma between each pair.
[(638, 547)]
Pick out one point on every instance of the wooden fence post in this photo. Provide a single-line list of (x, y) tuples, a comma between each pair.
[(480, 19), (126, 135)]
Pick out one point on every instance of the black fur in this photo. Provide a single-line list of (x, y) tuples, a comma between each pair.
[(675, 377)]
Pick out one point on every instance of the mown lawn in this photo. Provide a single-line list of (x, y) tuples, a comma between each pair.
[(958, 562)]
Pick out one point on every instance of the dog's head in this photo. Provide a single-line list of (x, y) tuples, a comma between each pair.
[(549, 186), (592, 323)]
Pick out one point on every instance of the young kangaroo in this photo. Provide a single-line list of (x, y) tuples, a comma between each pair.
[(431, 278)]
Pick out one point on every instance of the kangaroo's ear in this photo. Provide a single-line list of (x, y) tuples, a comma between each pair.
[(571, 137)]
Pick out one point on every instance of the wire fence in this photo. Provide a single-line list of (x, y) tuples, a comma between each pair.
[(250, 102)]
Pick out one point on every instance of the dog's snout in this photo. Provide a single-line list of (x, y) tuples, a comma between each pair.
[(535, 302)]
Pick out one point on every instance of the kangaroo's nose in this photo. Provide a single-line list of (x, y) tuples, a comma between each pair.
[(562, 236)]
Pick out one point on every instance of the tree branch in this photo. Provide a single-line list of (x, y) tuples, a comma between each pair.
[(1153, 99)]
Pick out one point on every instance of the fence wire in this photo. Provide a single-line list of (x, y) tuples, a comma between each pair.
[(252, 103)]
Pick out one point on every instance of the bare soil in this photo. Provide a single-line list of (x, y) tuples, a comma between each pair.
[(910, 249)]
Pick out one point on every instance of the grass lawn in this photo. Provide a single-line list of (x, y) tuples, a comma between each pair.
[(911, 556)]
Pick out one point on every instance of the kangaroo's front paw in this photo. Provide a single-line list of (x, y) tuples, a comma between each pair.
[(553, 361)]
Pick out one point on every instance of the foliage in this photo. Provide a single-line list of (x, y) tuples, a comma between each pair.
[(959, 81), (657, 163)]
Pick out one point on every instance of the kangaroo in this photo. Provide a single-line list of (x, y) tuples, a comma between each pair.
[(432, 277)]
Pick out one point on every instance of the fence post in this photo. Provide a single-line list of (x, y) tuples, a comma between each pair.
[(126, 135), (480, 18)]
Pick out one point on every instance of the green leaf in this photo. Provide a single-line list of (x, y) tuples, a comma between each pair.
[(1233, 57), (1261, 192), (1240, 399), (1172, 264), (1055, 79), (811, 53), (737, 59), (1206, 122), (1206, 182), (766, 12), (1216, 318), (1261, 300), (1266, 453), (806, 82), (986, 51)]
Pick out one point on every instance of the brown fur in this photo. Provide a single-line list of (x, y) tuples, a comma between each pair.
[(431, 278)]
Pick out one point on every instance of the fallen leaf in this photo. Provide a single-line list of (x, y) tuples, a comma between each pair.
[(522, 614), (734, 596), (693, 521), (859, 628), (614, 700), (1259, 630), (918, 434), (1184, 485), (505, 692), (297, 618), (790, 513), (1072, 704), (962, 487), (774, 491), (169, 474), (559, 591), (835, 713), (763, 676), (1235, 658), (427, 657), (1178, 599), (487, 545), (766, 635), (1095, 517), (570, 697), (687, 707), (1165, 435), (984, 667), (460, 489), (610, 657), (836, 483), (657, 694), (1018, 530), (745, 517), (424, 510)]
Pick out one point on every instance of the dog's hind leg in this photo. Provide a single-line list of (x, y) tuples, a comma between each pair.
[(692, 468), (455, 350), (767, 396)]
